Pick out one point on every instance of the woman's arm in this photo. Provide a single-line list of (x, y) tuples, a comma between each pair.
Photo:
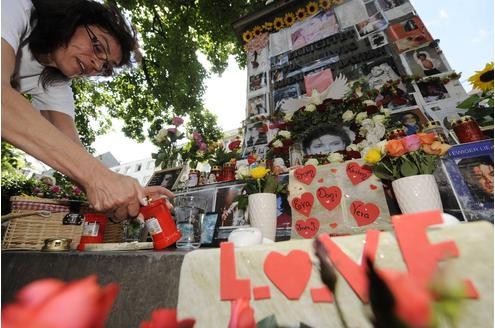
[(26, 128)]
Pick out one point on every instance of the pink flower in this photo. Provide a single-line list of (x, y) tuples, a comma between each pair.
[(166, 318), (54, 303), (203, 146), (241, 314), (177, 121), (172, 130), (76, 190), (411, 143), (55, 189), (197, 136)]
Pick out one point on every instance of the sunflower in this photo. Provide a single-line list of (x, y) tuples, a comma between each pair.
[(311, 7), (325, 4), (247, 36), (483, 79), (278, 23), (289, 19), (257, 30), (267, 26), (301, 14)]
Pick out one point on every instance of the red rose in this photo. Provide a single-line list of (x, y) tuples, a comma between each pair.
[(241, 314), (55, 303), (234, 144)]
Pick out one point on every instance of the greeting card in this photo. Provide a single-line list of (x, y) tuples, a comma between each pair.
[(343, 198)]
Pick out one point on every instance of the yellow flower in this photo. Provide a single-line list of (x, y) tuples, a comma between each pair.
[(278, 23), (312, 7), (373, 156), (247, 36), (325, 4), (289, 19), (259, 172), (301, 14), (483, 79), (268, 26), (257, 30)]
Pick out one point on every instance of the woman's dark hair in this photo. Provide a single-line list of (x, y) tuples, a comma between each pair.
[(55, 22), (325, 129)]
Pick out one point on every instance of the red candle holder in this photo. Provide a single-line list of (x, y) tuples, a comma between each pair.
[(396, 134), (160, 224), (228, 172), (467, 130), (93, 229)]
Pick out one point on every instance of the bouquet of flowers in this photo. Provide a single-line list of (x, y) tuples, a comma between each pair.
[(412, 155), (167, 139), (258, 179)]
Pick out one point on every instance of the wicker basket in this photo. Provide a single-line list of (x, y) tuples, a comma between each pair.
[(29, 232)]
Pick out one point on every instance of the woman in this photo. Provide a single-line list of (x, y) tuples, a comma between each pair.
[(326, 139), (45, 43)]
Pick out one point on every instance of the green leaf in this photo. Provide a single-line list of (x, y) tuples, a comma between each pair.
[(270, 184), (242, 201), (268, 322), (469, 102), (381, 172), (408, 168)]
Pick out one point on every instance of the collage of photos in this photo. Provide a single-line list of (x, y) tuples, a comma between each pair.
[(375, 22), (395, 8)]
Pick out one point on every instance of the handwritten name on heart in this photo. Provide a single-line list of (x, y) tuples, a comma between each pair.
[(357, 173), (329, 197), (364, 214), (289, 273), (307, 228), (305, 174), (304, 203)]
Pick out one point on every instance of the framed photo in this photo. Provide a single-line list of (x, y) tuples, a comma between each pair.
[(375, 21), (257, 61), (166, 178), (378, 40), (257, 106), (313, 29), (208, 193), (284, 213), (255, 134), (409, 34), (208, 228), (413, 120), (395, 8), (424, 61), (230, 217), (433, 90), (470, 170), (289, 92), (257, 82)]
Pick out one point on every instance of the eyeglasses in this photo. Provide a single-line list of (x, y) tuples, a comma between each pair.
[(100, 53)]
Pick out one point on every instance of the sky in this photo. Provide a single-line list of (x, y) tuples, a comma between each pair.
[(465, 29)]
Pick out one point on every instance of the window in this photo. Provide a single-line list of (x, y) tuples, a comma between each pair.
[(138, 167)]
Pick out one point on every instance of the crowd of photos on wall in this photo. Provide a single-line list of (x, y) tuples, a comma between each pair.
[(470, 171), (370, 41)]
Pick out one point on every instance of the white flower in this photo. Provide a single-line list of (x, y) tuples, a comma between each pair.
[(312, 161), (49, 180), (352, 147), (288, 116), (369, 103), (363, 144), (162, 134), (381, 145), (310, 108), (386, 111), (278, 161), (379, 118), (361, 116), (284, 133), (277, 144), (242, 172), (348, 115), (335, 158)]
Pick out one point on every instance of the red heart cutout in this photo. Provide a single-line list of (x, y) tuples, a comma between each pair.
[(307, 229), (305, 174), (304, 203), (334, 170), (373, 187), (320, 180), (289, 273), (364, 214), (357, 173), (329, 197), (333, 225)]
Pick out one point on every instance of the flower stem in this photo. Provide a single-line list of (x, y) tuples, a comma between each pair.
[(340, 313)]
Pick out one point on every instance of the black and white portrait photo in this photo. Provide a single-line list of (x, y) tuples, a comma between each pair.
[(255, 134), (257, 106)]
